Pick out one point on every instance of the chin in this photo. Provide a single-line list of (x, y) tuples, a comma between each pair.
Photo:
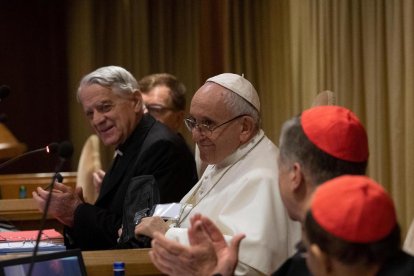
[(205, 158), (210, 161), (110, 141)]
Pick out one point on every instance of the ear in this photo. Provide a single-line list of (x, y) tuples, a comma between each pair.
[(179, 118), (247, 129), (296, 176), (137, 101), (321, 259)]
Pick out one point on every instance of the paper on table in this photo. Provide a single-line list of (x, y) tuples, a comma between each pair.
[(31, 235), (14, 247), (23, 245), (170, 211)]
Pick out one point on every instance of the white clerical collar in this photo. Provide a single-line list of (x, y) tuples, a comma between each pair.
[(118, 152), (241, 151)]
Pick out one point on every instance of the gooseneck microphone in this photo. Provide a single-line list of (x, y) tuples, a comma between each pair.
[(49, 149), (65, 152)]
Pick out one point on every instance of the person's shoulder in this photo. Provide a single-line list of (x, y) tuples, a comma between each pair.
[(295, 266), (269, 144), (263, 143), (161, 132), (161, 136), (402, 264), (263, 154)]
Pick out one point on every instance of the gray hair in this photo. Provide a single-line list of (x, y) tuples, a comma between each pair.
[(238, 106), (294, 146), (117, 78)]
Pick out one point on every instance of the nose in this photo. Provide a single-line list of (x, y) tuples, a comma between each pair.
[(197, 134), (98, 118)]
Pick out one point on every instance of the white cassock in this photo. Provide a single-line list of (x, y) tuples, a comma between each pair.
[(241, 195)]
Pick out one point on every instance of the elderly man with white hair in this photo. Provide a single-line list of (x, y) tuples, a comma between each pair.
[(239, 189), (152, 164)]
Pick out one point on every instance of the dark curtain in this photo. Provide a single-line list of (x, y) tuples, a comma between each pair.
[(33, 63)]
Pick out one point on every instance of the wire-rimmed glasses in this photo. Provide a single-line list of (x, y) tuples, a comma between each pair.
[(205, 128), (156, 109)]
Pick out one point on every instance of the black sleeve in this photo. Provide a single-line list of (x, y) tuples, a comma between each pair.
[(173, 167), (294, 266), (167, 159), (94, 228)]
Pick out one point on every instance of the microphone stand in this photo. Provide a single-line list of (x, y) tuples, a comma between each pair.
[(51, 148), (43, 219), (4, 164), (65, 151)]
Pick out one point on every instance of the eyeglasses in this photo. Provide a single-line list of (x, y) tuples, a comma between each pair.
[(204, 127), (154, 109)]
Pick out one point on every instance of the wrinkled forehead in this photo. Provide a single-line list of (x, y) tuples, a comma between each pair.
[(95, 95), (210, 99), (88, 93)]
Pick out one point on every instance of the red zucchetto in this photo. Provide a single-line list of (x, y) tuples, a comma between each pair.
[(336, 131), (354, 208)]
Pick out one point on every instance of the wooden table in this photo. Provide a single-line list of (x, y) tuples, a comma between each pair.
[(11, 183), (100, 263), (24, 215), (137, 262), (19, 209)]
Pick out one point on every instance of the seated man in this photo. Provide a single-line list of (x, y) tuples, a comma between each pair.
[(359, 236), (239, 189), (148, 154), (320, 144), (164, 98)]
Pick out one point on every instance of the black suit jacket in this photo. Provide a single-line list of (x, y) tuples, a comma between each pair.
[(402, 264), (153, 152), (295, 265)]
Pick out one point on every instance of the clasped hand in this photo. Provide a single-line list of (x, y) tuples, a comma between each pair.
[(207, 254), (149, 225), (63, 203)]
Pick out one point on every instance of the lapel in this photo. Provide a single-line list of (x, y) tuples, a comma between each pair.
[(124, 165)]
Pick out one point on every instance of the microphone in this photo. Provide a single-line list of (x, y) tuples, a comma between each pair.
[(49, 149), (4, 92), (65, 152)]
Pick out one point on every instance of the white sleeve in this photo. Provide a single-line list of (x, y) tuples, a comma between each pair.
[(181, 235), (178, 234), (247, 200)]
